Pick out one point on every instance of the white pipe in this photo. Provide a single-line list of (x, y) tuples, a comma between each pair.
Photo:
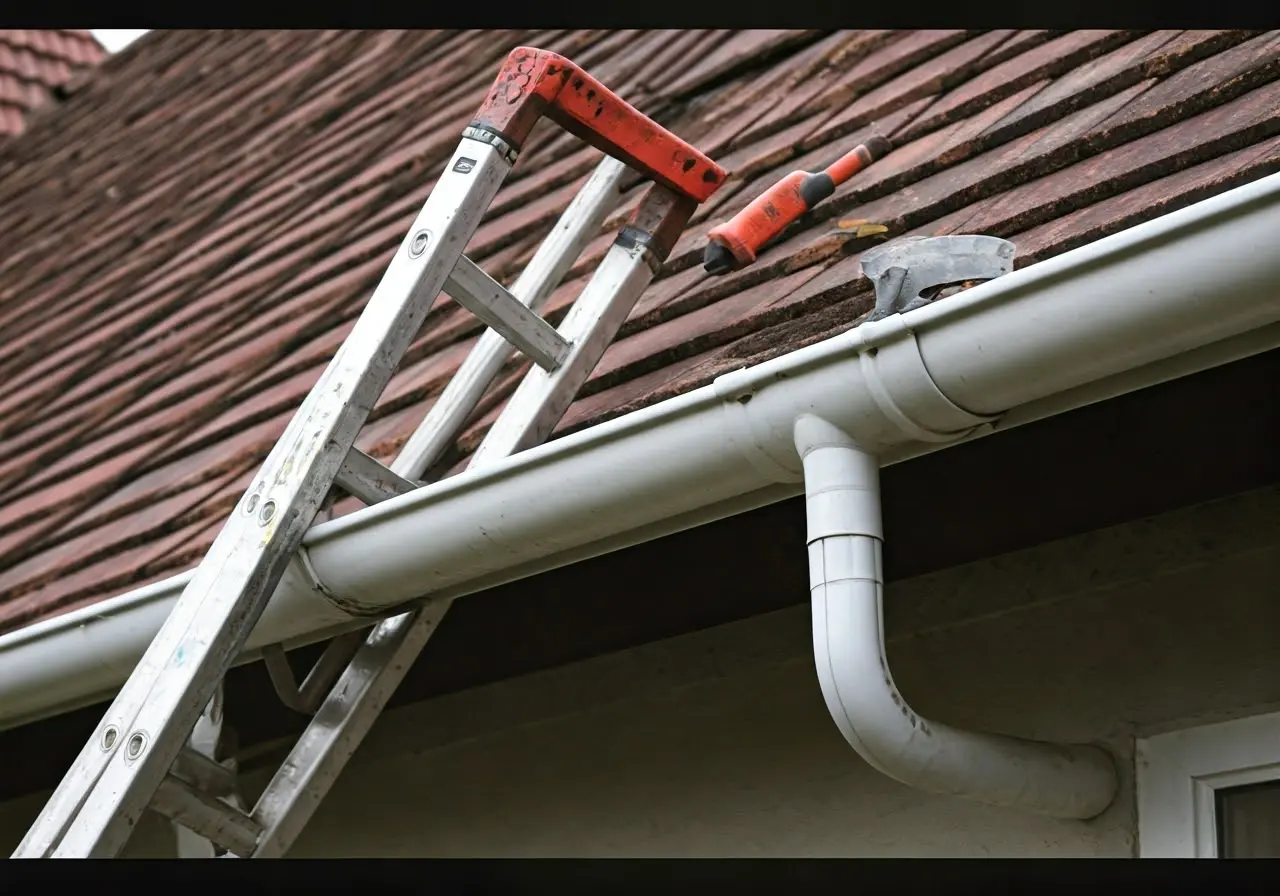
[(846, 580), (1119, 311)]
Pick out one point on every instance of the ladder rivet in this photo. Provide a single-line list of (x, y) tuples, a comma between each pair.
[(136, 743), (109, 737), (268, 511), (252, 504), (419, 244)]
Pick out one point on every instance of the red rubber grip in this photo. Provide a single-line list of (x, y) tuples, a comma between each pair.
[(762, 219), (533, 83), (772, 211)]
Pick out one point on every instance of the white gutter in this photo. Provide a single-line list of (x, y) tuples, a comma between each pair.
[(1178, 294)]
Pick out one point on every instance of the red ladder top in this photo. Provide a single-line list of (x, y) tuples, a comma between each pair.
[(533, 83)]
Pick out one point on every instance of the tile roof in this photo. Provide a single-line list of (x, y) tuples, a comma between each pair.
[(193, 234), (35, 63)]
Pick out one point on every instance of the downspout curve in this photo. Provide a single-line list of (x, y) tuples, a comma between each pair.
[(847, 586)]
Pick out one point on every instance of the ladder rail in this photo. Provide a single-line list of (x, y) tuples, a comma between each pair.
[(380, 664), (632, 262), (579, 224), (130, 763), (100, 799), (341, 721)]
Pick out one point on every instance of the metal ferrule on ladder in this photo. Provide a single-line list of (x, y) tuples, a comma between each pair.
[(156, 747)]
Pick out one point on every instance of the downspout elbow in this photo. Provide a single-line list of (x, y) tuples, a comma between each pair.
[(847, 585)]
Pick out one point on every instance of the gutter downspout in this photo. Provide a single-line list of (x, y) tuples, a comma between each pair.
[(842, 487), (1180, 293)]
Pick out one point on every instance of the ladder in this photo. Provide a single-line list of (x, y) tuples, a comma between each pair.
[(143, 754)]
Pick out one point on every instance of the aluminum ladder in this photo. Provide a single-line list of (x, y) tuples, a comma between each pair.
[(148, 751)]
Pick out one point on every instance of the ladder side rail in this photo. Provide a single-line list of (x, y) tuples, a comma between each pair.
[(104, 793), (578, 225), (634, 259), (380, 664), (124, 764)]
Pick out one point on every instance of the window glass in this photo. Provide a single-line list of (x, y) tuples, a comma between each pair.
[(1249, 821)]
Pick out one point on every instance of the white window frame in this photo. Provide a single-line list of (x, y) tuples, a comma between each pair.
[(1179, 772)]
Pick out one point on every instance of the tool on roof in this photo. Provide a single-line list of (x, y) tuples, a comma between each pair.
[(735, 243), (858, 228), (142, 755), (913, 271)]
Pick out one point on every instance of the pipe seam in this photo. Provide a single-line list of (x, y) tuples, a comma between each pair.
[(347, 605), (736, 391), (901, 386)]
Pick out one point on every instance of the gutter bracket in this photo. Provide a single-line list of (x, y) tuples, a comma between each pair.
[(905, 269), (308, 697)]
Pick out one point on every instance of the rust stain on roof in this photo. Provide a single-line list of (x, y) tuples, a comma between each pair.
[(191, 234)]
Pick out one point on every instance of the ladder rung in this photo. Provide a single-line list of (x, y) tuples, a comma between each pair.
[(145, 753), (488, 300), (591, 325), (369, 480), (214, 820), (579, 224), (207, 775)]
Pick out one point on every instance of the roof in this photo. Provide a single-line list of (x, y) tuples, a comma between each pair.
[(35, 63), (192, 235)]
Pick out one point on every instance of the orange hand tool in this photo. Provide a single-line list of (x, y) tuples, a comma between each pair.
[(735, 243)]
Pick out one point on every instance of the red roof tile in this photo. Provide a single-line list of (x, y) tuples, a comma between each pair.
[(191, 236), (34, 63)]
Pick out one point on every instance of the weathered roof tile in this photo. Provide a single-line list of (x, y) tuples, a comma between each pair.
[(1148, 201), (930, 78), (193, 232), (35, 63), (738, 52), (1046, 60)]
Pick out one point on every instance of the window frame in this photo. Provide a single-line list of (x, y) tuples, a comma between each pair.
[(1178, 774)]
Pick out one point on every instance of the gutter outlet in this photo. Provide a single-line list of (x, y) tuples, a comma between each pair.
[(846, 578)]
